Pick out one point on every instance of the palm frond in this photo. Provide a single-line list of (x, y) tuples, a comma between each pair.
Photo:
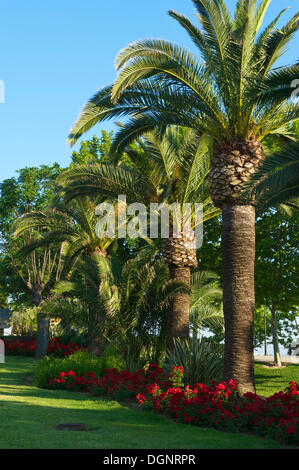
[(277, 180)]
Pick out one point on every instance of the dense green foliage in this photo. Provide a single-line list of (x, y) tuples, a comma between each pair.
[(201, 359), (80, 362)]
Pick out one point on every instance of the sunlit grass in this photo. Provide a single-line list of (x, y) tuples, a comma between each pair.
[(270, 380), (29, 416)]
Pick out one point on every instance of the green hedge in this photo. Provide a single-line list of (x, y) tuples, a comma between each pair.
[(80, 362)]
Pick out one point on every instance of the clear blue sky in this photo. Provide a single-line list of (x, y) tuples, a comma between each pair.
[(55, 55)]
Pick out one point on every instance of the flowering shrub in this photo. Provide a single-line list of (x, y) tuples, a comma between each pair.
[(176, 376), (117, 384), (58, 349), (27, 348), (216, 405)]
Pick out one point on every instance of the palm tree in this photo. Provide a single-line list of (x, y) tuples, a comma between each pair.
[(171, 168), (231, 94), (132, 298), (72, 224), (204, 312)]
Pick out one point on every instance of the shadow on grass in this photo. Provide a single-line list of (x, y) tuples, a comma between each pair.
[(27, 425), (29, 416), (34, 426), (270, 380)]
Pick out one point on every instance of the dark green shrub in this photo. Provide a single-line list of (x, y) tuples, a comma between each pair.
[(80, 362), (111, 359), (74, 336), (202, 360)]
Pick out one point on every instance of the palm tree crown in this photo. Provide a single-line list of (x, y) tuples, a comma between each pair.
[(230, 89)]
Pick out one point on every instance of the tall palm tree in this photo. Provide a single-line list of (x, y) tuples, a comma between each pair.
[(233, 95), (171, 168)]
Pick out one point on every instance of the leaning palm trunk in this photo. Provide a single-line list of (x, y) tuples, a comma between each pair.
[(180, 255), (232, 165)]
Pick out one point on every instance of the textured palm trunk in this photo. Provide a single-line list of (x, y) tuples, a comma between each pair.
[(96, 342), (233, 163), (180, 255), (178, 315), (238, 254)]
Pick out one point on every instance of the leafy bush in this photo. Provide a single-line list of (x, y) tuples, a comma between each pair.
[(81, 362), (201, 359), (111, 359), (117, 384), (216, 405), (74, 336)]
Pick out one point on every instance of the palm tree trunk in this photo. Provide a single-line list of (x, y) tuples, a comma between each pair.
[(96, 342), (178, 315), (238, 253)]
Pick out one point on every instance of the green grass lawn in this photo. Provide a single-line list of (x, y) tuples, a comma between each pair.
[(270, 380), (29, 416)]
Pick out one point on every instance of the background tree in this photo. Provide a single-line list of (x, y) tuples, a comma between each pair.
[(32, 189), (277, 279), (26, 280), (95, 150)]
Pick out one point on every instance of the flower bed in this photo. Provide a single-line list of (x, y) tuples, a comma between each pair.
[(19, 347), (216, 405), (219, 407), (117, 384)]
